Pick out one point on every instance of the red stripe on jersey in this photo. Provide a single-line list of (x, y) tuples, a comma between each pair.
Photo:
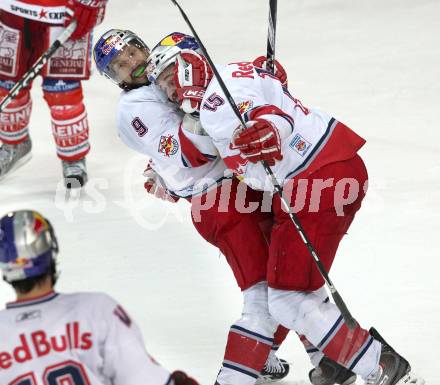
[(267, 109), (190, 152), (44, 3), (238, 348), (345, 344)]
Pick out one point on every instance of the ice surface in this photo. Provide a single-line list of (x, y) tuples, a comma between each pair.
[(375, 66)]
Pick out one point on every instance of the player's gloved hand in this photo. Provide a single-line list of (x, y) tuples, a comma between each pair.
[(87, 14), (192, 76), (280, 72), (259, 141), (154, 186), (181, 378)]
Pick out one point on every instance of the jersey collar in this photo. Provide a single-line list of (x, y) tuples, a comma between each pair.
[(32, 301)]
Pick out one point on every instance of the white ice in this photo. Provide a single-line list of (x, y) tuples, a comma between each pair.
[(375, 65)]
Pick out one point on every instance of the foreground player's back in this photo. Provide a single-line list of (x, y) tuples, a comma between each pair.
[(83, 339)]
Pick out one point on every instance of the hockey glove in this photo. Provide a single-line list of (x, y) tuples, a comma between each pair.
[(155, 187), (87, 14), (280, 72), (192, 76), (181, 378), (259, 141)]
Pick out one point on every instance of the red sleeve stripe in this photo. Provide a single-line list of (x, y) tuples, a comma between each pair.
[(191, 156), (268, 109)]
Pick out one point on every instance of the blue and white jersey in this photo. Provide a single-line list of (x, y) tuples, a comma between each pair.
[(181, 154), (81, 338)]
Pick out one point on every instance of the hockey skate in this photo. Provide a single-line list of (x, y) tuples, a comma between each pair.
[(275, 369), (393, 369), (330, 372), (75, 173), (13, 156)]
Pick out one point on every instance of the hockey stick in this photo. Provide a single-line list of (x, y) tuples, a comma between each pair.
[(271, 35), (38, 65), (270, 66), (349, 320)]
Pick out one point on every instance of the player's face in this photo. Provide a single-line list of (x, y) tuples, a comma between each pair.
[(130, 65), (166, 82)]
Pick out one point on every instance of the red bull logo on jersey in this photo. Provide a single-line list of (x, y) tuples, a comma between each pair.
[(168, 145), (39, 344), (245, 106), (300, 145)]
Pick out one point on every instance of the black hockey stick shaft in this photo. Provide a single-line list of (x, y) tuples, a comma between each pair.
[(349, 320), (38, 65), (214, 70), (270, 66), (271, 36)]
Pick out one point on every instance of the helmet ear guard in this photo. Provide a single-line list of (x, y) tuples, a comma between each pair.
[(192, 77)]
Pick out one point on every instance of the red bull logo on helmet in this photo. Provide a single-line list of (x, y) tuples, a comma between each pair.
[(40, 223), (110, 43), (22, 262), (173, 39)]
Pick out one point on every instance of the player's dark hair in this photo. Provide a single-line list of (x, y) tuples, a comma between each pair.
[(25, 286)]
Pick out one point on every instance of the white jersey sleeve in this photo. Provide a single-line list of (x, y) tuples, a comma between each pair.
[(181, 152), (83, 338), (126, 361)]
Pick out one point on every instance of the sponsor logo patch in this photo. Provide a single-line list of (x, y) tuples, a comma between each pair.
[(168, 145), (300, 145), (29, 315)]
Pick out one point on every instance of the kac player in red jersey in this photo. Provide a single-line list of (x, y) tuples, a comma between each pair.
[(27, 29)]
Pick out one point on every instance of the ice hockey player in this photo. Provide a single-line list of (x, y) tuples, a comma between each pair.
[(54, 338), (217, 227), (186, 164), (27, 28), (305, 147)]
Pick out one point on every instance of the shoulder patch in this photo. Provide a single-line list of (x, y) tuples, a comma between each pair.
[(245, 106), (168, 145), (300, 145)]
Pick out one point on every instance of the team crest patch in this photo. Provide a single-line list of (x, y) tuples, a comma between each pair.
[(300, 145), (245, 106), (168, 145)]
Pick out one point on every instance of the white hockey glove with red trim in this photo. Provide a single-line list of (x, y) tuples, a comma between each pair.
[(192, 77), (259, 141), (155, 186)]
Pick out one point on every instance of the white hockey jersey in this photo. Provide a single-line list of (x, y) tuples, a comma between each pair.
[(188, 162), (310, 138), (75, 339)]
